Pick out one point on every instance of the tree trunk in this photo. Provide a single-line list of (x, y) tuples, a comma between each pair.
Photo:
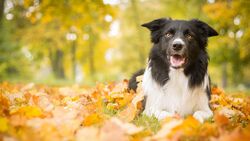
[(224, 74), (92, 42), (236, 64), (56, 59), (73, 59), (91, 56), (59, 64), (1, 11)]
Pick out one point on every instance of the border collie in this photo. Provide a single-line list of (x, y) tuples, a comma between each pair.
[(175, 80)]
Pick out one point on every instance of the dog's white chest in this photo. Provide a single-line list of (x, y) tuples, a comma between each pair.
[(174, 97)]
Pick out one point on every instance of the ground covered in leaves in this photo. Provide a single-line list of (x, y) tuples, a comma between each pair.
[(109, 112)]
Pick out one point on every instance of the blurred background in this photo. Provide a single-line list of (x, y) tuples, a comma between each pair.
[(87, 41)]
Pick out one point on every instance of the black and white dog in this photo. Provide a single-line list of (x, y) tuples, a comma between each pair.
[(175, 80)]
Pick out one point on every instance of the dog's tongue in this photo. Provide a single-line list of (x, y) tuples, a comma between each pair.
[(177, 60)]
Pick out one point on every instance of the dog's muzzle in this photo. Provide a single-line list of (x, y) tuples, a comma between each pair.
[(177, 57)]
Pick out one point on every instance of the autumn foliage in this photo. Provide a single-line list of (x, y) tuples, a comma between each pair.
[(109, 112)]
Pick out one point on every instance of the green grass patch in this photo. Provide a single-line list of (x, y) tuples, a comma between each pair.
[(149, 123)]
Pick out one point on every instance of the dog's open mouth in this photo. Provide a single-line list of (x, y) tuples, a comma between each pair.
[(177, 61)]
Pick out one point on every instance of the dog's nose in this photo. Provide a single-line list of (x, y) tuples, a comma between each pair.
[(177, 46)]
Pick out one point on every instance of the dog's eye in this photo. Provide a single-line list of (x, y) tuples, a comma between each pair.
[(189, 37), (169, 34)]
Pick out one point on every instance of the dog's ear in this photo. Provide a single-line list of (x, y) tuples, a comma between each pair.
[(205, 28), (155, 26)]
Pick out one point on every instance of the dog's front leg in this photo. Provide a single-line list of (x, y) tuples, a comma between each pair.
[(203, 110)]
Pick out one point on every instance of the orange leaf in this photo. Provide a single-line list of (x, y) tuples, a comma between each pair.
[(92, 119), (129, 113), (220, 119)]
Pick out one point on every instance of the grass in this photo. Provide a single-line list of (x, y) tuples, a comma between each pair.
[(149, 123)]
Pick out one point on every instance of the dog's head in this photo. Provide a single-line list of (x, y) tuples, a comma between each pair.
[(180, 41)]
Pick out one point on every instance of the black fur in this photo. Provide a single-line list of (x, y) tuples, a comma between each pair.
[(194, 49), (132, 84), (160, 67), (208, 89)]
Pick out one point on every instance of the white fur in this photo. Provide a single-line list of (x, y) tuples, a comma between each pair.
[(175, 96), (178, 41)]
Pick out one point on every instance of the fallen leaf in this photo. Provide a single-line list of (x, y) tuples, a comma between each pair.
[(220, 119), (129, 128), (28, 111), (112, 132), (235, 135), (87, 134), (131, 111), (3, 124), (167, 129), (92, 119)]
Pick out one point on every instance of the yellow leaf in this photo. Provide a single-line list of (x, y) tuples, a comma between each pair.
[(28, 111), (92, 119), (3, 124)]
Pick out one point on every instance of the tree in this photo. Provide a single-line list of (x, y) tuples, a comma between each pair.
[(232, 19), (13, 62), (51, 18), (1, 10)]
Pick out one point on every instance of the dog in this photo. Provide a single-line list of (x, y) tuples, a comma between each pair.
[(176, 80)]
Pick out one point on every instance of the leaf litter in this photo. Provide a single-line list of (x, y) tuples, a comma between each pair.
[(110, 112)]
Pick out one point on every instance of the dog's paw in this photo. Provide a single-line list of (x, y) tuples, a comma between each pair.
[(201, 116), (163, 114), (198, 116)]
